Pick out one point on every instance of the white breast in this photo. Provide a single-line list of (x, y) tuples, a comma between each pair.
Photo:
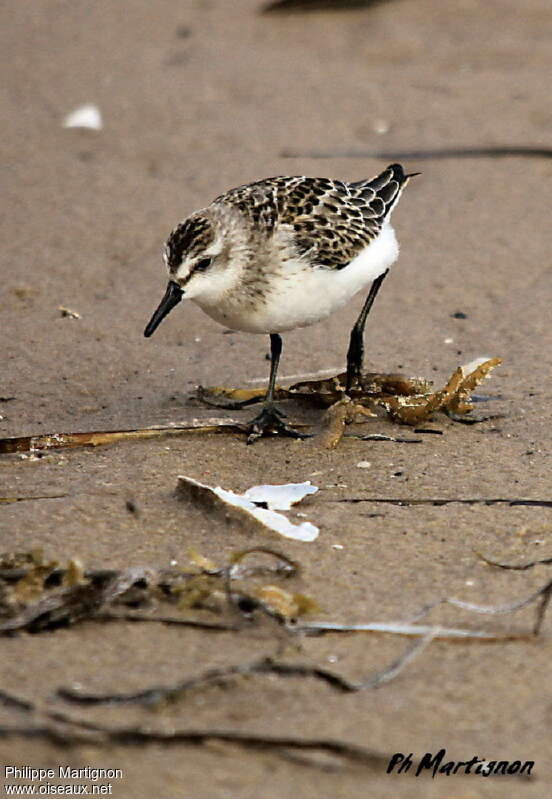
[(299, 294)]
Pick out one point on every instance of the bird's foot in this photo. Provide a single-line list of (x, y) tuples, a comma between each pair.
[(270, 421)]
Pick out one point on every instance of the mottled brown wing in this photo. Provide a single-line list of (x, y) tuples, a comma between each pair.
[(332, 221), (348, 216)]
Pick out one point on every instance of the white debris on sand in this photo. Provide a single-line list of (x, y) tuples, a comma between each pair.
[(280, 497), (247, 505), (85, 116)]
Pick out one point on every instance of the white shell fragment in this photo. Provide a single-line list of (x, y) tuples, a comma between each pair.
[(280, 497), (247, 509), (85, 116)]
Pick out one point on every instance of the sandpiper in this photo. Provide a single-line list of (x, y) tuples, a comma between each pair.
[(282, 253)]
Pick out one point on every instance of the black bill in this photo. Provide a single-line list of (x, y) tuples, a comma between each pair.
[(172, 297)]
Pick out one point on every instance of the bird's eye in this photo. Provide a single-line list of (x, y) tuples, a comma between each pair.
[(202, 265)]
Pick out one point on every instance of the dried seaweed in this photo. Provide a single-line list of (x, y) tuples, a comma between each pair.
[(544, 594), (545, 597), (61, 728), (283, 564), (470, 420), (401, 399), (66, 605), (37, 596), (274, 601), (41, 443), (340, 414), (263, 666), (453, 398), (396, 439), (413, 501), (24, 574), (232, 399), (281, 6), (516, 567), (14, 702), (64, 730), (9, 500), (404, 628), (176, 621), (326, 391), (435, 154), (404, 400)]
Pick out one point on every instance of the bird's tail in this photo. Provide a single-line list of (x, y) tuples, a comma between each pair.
[(387, 187)]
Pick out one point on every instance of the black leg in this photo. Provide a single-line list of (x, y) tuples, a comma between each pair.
[(270, 419), (275, 352), (355, 353)]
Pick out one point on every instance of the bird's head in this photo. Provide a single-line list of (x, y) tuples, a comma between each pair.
[(202, 256)]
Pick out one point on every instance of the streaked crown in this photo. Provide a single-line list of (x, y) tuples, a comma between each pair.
[(188, 240)]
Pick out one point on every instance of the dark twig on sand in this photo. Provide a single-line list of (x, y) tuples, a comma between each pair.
[(506, 151), (268, 666), (63, 729), (412, 501)]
